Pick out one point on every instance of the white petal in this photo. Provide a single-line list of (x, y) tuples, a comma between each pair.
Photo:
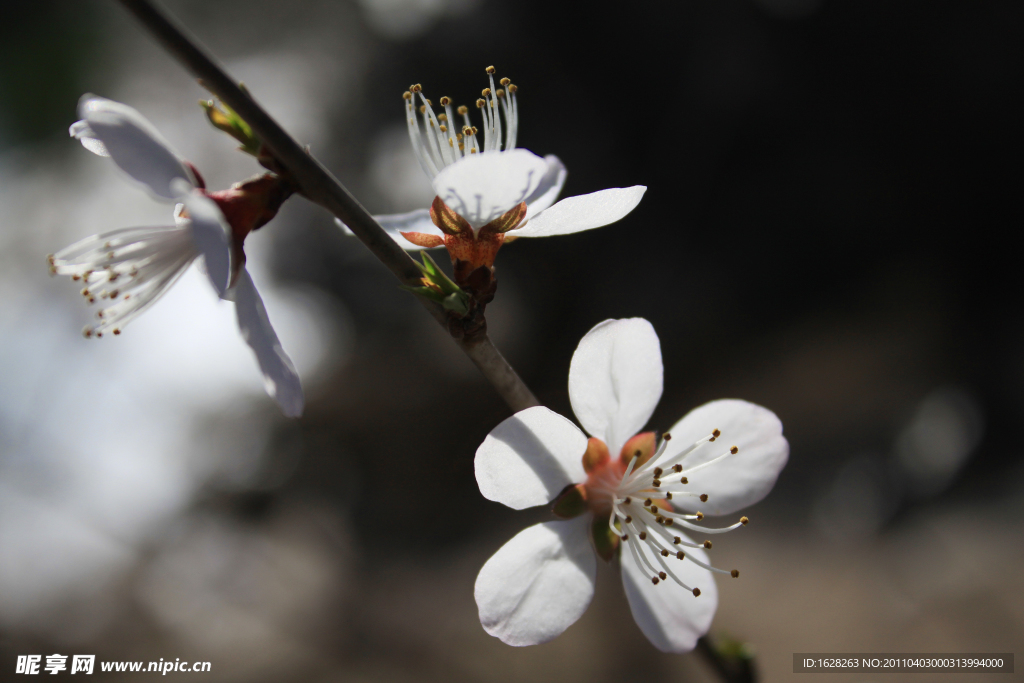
[(279, 375), (615, 379), (529, 458), (81, 131), (587, 211), (396, 223), (549, 188), (133, 143), (671, 617), (211, 235), (735, 481), (538, 584), (481, 187)]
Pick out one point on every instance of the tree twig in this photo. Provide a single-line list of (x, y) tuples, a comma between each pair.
[(731, 669), (318, 185)]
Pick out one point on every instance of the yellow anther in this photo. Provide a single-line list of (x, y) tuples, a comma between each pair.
[(744, 521), (423, 109), (443, 128), (442, 117), (480, 104), (716, 433), (416, 87), (505, 81), (512, 88), (486, 92), (407, 95), (734, 450), (445, 101), (490, 69), (462, 110)]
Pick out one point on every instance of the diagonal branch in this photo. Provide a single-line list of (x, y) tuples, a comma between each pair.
[(318, 185)]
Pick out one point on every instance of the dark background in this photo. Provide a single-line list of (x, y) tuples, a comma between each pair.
[(830, 230)]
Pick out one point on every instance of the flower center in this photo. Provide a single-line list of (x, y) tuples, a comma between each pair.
[(634, 492), (439, 141), (129, 268)]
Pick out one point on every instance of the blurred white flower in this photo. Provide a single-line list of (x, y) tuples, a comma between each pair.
[(133, 267), (481, 177), (541, 581)]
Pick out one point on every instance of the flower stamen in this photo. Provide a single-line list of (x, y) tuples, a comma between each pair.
[(435, 149)]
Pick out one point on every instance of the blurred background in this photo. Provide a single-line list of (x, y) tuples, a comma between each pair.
[(829, 231)]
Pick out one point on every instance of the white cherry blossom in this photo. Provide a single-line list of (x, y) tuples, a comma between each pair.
[(719, 458), (126, 271), (480, 174)]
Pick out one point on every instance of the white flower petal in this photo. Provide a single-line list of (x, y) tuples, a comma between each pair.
[(279, 375), (81, 131), (548, 189), (133, 143), (671, 617), (481, 187), (538, 584), (615, 379), (735, 481), (584, 212), (211, 234), (396, 223), (529, 458)]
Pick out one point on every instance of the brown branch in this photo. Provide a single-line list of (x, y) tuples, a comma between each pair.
[(318, 185)]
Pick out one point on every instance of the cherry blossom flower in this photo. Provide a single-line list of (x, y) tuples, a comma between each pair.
[(489, 191), (638, 506), (128, 270)]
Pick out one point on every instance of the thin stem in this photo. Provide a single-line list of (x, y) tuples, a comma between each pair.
[(731, 669), (318, 185)]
